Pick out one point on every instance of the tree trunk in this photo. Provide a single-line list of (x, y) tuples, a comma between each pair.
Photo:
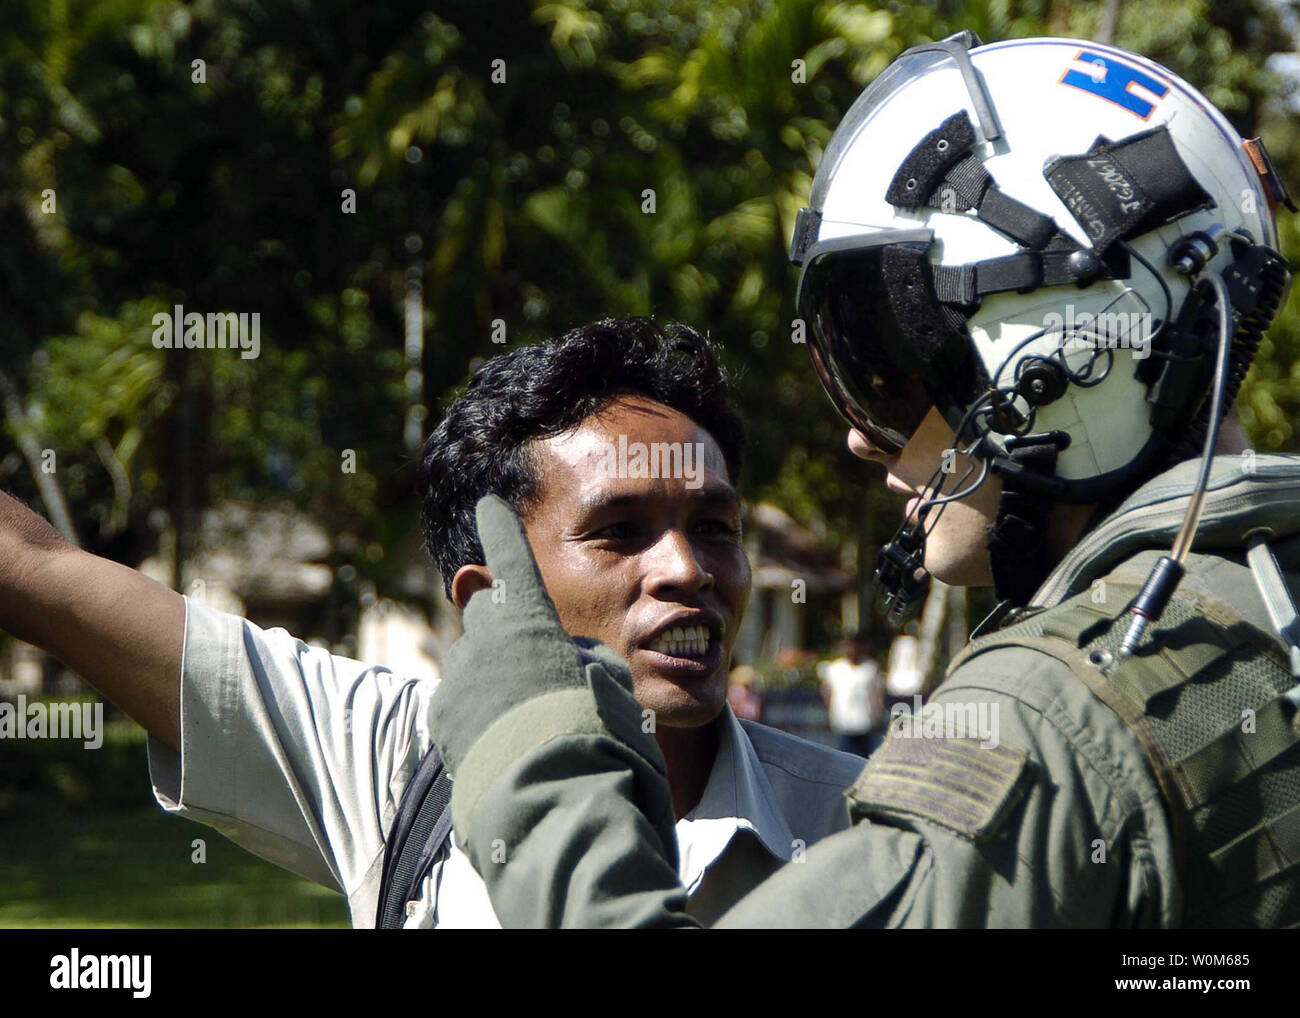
[(56, 507), (932, 616), (1109, 20)]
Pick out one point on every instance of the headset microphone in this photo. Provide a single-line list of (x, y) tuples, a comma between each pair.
[(901, 577)]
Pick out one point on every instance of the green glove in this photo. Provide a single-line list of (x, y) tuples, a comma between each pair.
[(556, 782), (514, 650)]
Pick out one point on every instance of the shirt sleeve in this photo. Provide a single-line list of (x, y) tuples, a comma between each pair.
[(1045, 816), (565, 814), (296, 754)]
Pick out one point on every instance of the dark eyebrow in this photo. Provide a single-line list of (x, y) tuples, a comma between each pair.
[(710, 494)]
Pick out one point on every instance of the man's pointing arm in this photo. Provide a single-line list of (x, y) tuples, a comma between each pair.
[(116, 628)]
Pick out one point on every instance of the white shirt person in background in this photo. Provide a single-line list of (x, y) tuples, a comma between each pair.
[(853, 691)]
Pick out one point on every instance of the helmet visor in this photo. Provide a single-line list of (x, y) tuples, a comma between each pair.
[(861, 350)]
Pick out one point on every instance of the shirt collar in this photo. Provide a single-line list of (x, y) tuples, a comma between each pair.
[(737, 797)]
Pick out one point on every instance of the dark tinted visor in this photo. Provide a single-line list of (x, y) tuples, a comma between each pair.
[(866, 362)]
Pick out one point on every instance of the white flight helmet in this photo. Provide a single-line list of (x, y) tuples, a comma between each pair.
[(1013, 233)]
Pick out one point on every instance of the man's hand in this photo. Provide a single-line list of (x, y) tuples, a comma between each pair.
[(119, 630)]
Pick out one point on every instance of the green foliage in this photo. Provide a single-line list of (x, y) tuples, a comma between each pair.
[(522, 200)]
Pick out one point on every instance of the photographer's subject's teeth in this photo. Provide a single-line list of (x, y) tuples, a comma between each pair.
[(683, 641)]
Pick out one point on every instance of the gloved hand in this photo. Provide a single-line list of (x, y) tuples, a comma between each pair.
[(556, 780), (513, 648)]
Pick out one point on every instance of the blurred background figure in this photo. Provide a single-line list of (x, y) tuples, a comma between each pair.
[(854, 696), (904, 678), (745, 693)]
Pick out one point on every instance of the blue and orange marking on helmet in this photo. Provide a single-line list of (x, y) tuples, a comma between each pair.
[(1113, 81)]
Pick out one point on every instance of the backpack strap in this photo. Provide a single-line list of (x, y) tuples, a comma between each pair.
[(419, 835)]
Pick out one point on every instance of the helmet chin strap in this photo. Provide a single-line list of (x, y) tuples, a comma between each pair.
[(1017, 539)]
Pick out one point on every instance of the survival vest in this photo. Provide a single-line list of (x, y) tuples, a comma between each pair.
[(1210, 696)]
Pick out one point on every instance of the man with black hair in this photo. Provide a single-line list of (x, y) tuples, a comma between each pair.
[(617, 445)]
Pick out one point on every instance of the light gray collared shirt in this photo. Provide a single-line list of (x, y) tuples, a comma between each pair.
[(301, 757)]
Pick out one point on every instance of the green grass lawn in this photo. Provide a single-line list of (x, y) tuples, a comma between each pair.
[(82, 846), (92, 868)]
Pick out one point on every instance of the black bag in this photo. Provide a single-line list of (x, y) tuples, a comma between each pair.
[(419, 837)]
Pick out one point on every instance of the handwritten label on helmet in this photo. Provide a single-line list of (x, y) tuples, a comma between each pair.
[(1124, 189)]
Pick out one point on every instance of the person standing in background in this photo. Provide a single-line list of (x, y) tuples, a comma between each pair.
[(904, 678), (854, 697)]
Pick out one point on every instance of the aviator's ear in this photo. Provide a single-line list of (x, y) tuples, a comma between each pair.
[(467, 582)]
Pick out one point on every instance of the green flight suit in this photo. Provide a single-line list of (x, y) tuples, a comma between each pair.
[(1018, 797)]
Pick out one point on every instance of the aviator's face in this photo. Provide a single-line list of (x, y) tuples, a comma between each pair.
[(956, 549), (652, 566)]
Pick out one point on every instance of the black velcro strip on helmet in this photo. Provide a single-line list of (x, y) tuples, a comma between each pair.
[(952, 372), (929, 162), (806, 228), (1118, 190), (1022, 224), (968, 186), (955, 284), (963, 186), (941, 173)]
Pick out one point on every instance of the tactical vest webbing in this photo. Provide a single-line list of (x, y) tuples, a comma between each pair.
[(1203, 696)]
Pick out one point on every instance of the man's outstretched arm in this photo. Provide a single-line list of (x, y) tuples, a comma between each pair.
[(296, 754), (121, 631)]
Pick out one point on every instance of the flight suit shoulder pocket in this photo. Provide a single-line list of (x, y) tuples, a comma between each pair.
[(959, 784)]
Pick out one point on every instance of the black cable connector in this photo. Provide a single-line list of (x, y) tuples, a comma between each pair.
[(1151, 600), (1193, 252), (900, 573)]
